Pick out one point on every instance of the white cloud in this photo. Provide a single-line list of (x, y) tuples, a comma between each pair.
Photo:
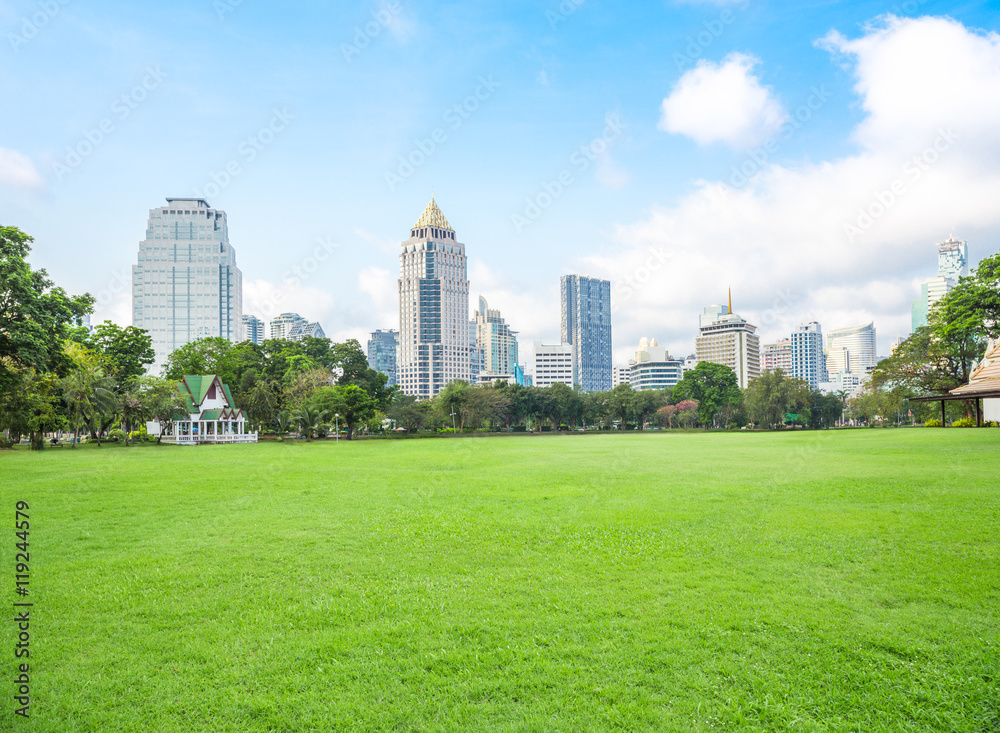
[(17, 171), (382, 287), (266, 300), (530, 313), (722, 103), (784, 242)]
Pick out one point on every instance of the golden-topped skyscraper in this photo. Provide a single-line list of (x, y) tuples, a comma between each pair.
[(433, 307)]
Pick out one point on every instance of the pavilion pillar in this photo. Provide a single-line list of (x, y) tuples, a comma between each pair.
[(944, 423), (979, 413)]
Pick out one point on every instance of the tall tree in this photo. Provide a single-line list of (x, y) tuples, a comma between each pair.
[(88, 390), (775, 394), (35, 316), (713, 386), (128, 351), (161, 400)]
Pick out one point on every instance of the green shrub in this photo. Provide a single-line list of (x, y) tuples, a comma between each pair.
[(963, 423), (932, 423), (117, 435), (990, 424)]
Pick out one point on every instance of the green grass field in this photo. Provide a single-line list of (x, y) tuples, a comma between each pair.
[(828, 581)]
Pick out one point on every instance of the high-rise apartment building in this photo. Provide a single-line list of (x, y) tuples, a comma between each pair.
[(731, 341), (776, 356), (551, 364), (477, 355), (859, 344), (808, 360), (433, 307), (253, 330), (293, 327), (494, 337), (953, 263), (586, 324), (185, 283), (382, 353)]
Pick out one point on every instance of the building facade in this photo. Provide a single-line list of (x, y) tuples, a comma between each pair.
[(620, 375), (293, 327), (185, 283), (808, 359), (433, 307), (551, 364), (852, 349), (586, 325), (382, 353), (497, 341), (653, 367), (253, 330), (776, 356), (731, 341)]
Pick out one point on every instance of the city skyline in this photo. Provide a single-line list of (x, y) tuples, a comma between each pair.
[(812, 158)]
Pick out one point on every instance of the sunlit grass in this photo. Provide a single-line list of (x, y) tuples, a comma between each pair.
[(843, 581)]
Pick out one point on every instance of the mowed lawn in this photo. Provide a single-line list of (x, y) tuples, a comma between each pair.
[(810, 581)]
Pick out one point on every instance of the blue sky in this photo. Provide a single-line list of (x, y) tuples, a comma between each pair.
[(314, 106)]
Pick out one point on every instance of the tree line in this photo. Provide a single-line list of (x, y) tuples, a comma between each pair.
[(57, 375)]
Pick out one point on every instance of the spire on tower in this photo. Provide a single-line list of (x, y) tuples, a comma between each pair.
[(730, 301), (432, 217)]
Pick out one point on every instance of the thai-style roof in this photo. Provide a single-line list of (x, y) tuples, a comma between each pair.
[(194, 389), (986, 377)]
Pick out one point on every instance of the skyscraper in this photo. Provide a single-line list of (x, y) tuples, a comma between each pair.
[(808, 361), (731, 341), (382, 353), (586, 324), (185, 283), (433, 307), (953, 259), (498, 342), (253, 329), (953, 263)]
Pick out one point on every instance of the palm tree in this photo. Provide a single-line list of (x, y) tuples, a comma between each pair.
[(284, 422), (132, 413), (88, 391), (310, 419)]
